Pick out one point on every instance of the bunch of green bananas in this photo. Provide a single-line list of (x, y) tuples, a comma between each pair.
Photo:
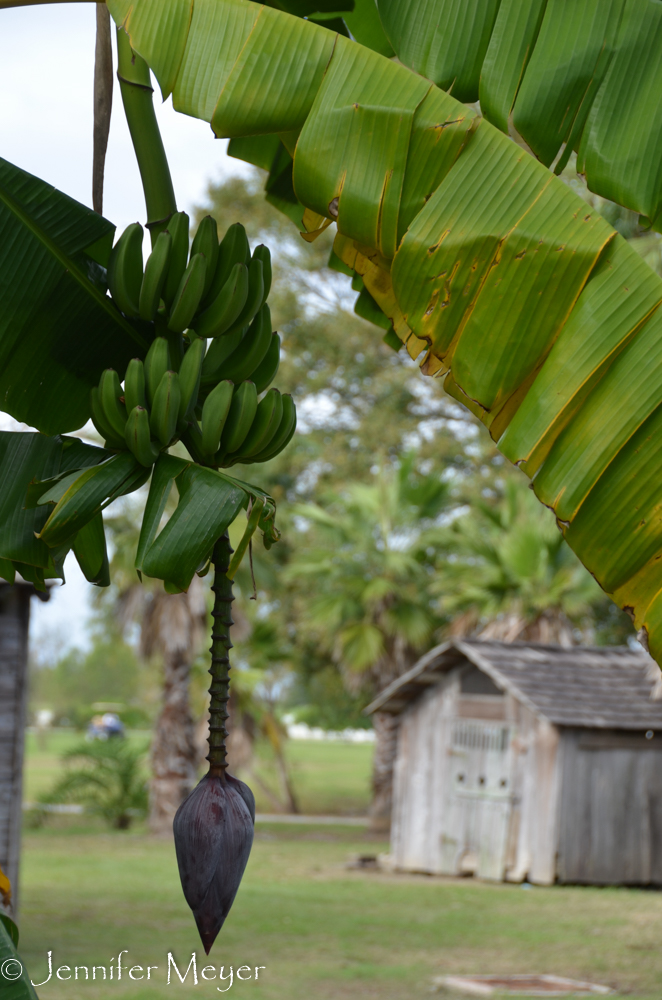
[(207, 398), (216, 290)]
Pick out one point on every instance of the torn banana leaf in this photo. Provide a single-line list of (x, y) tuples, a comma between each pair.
[(494, 274)]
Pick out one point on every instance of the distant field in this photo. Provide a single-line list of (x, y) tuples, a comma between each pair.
[(323, 932), (327, 777)]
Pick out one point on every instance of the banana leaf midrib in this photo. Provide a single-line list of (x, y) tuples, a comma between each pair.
[(71, 267)]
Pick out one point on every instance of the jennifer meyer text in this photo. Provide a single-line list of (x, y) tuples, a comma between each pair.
[(120, 968)]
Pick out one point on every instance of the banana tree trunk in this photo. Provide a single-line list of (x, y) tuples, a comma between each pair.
[(386, 744), (174, 755)]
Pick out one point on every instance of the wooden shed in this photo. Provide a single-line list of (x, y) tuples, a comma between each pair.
[(522, 761)]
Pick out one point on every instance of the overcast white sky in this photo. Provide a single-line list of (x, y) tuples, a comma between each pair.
[(46, 73)]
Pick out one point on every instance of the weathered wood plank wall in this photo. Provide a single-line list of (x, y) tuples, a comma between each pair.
[(14, 620), (610, 828)]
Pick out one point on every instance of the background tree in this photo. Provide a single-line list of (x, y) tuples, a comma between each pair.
[(362, 575), (172, 629), (511, 576)]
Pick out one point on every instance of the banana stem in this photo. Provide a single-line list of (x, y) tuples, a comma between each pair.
[(220, 656), (136, 89), (103, 102)]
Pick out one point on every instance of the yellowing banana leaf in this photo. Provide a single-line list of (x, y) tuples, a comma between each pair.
[(58, 329), (493, 272), (587, 75)]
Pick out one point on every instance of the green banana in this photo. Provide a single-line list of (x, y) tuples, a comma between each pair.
[(192, 438), (233, 249), (98, 419), (125, 269), (266, 371), (264, 254), (227, 305), (255, 296), (219, 349), (251, 351), (157, 363), (137, 437), (134, 384), (188, 295), (214, 415), (114, 411), (241, 416), (205, 242), (265, 425), (165, 409), (178, 230), (283, 435), (189, 378), (156, 272)]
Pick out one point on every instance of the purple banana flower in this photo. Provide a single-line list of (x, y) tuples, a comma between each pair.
[(213, 837)]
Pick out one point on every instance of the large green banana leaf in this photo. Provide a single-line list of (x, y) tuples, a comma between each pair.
[(58, 328), (587, 76), (541, 318)]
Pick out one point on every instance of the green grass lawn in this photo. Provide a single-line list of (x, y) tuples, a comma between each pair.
[(327, 777), (321, 931)]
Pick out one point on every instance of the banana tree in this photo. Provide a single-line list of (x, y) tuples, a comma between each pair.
[(172, 361), (468, 249), (492, 271)]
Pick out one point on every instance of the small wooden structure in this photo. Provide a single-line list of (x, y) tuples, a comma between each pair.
[(14, 621), (520, 761)]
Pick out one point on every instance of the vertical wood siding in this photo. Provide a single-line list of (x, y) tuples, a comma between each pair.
[(611, 809), (14, 618)]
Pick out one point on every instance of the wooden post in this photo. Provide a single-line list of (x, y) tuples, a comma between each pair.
[(14, 621)]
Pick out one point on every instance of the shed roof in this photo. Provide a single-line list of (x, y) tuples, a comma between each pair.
[(593, 687)]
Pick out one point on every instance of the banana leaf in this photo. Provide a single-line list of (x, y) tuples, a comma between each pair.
[(58, 329), (19, 988), (81, 496), (208, 502), (585, 76), (25, 461), (540, 318)]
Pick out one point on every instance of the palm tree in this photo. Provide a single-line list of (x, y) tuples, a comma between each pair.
[(511, 576), (364, 581), (108, 780), (172, 627)]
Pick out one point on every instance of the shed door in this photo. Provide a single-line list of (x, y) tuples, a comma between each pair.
[(478, 800)]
